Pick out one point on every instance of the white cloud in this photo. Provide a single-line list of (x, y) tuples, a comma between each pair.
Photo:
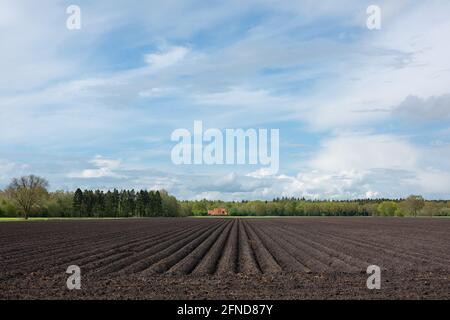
[(242, 97), (433, 181), (364, 152), (430, 109), (346, 166), (407, 57), (104, 168), (156, 92), (161, 60), (260, 173)]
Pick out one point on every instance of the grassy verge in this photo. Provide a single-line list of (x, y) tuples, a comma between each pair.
[(22, 219), (274, 217), (15, 219), (294, 217)]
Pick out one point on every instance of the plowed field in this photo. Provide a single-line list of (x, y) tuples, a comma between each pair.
[(164, 258)]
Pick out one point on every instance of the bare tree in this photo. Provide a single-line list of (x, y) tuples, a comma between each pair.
[(28, 192)]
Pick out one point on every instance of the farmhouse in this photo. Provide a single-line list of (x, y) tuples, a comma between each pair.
[(218, 212)]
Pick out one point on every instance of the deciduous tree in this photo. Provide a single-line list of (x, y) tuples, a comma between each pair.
[(414, 204), (28, 192)]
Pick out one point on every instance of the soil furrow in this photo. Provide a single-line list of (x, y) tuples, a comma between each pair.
[(197, 246), (211, 259), (266, 261)]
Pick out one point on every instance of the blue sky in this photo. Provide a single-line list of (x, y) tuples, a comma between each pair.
[(361, 113)]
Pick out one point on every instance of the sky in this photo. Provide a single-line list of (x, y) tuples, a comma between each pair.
[(361, 113)]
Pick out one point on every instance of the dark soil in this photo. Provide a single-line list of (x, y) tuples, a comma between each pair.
[(165, 258)]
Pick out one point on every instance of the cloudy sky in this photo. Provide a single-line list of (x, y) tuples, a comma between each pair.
[(361, 113)]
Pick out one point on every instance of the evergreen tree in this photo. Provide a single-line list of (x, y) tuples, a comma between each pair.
[(78, 202), (109, 204), (158, 208), (115, 202)]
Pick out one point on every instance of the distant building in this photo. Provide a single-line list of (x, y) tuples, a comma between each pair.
[(218, 212)]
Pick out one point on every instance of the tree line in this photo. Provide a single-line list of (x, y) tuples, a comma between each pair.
[(28, 196), (126, 203), (411, 206)]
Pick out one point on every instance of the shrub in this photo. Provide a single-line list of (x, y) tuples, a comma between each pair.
[(387, 208)]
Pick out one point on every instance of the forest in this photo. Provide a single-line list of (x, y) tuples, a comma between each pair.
[(28, 197)]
